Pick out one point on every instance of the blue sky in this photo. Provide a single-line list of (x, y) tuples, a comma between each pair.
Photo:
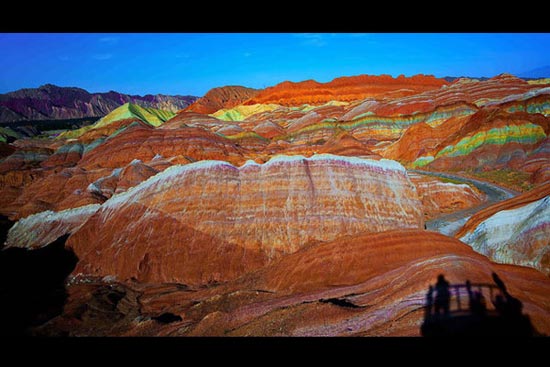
[(141, 63)]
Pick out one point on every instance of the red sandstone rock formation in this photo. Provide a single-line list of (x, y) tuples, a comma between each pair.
[(108, 130), (223, 97), (536, 163), (273, 232), (375, 271), (145, 143), (344, 89), (133, 174), (230, 129), (342, 143), (420, 139), (35, 177), (212, 221), (490, 138), (269, 130), (41, 229), (481, 93), (57, 191), (362, 285), (192, 119), (443, 197), (66, 156), (75, 187), (497, 154)]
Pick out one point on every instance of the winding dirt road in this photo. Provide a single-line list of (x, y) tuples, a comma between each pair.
[(449, 224)]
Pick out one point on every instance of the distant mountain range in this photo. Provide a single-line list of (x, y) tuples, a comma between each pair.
[(538, 73), (51, 102), (542, 72), (451, 79)]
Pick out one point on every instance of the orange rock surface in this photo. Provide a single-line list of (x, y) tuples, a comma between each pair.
[(223, 97), (74, 187), (442, 197), (344, 89), (419, 139), (491, 138), (109, 129), (133, 174), (536, 163), (66, 156), (462, 90), (362, 285), (58, 191), (344, 144), (145, 143), (192, 119), (41, 229), (12, 184), (243, 217), (269, 130)]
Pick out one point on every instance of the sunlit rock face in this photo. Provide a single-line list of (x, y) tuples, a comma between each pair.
[(419, 139), (489, 138), (20, 168), (269, 129), (444, 197), (500, 90), (537, 163), (56, 175), (41, 229), (344, 89), (222, 97), (516, 231), (74, 187), (145, 143), (212, 221), (58, 191)]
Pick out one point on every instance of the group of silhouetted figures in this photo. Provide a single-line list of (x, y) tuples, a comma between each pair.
[(506, 319)]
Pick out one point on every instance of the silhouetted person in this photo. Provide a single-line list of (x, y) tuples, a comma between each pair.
[(429, 301), (507, 304), (471, 297), (510, 309), (443, 296), (478, 305)]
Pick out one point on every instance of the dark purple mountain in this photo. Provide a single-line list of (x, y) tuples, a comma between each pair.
[(50, 102)]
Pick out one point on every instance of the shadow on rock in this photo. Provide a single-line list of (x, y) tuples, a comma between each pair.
[(462, 310), (32, 285)]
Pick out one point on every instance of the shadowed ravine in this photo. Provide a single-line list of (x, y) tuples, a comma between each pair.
[(32, 284)]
